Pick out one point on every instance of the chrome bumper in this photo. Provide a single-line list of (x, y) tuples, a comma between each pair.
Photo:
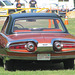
[(35, 57)]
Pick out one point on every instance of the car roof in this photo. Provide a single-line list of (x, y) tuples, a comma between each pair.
[(12, 17), (22, 15)]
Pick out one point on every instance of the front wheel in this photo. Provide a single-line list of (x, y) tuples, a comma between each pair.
[(68, 64)]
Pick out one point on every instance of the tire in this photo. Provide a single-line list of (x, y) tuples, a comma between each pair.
[(68, 64), (1, 62), (9, 65)]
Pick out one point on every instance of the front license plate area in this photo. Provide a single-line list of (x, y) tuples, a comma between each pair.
[(43, 56)]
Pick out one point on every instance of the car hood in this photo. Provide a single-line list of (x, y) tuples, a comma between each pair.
[(41, 37)]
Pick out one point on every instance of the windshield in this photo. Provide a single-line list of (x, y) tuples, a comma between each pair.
[(35, 25), (7, 3)]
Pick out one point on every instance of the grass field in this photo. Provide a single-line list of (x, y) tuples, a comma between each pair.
[(58, 71), (71, 26)]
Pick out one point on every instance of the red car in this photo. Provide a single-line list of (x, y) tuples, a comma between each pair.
[(36, 37)]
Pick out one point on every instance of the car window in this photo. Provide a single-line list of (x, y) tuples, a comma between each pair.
[(1, 4), (7, 3), (32, 25), (5, 25)]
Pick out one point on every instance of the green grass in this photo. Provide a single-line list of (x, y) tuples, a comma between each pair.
[(45, 72), (71, 29), (71, 26)]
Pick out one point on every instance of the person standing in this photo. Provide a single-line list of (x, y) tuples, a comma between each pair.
[(18, 5), (33, 4)]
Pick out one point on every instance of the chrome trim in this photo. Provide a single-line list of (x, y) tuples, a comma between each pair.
[(61, 39), (18, 44), (7, 25), (69, 43), (35, 57), (5, 36), (62, 57), (24, 40), (44, 45), (17, 41), (40, 48)]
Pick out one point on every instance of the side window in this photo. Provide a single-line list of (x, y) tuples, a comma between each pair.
[(1, 4), (5, 25)]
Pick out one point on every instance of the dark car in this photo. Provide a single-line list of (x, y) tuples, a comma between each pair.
[(36, 37)]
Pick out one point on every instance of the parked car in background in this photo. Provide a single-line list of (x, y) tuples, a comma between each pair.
[(6, 4), (36, 37)]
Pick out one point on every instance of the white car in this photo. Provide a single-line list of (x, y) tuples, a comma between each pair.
[(6, 4)]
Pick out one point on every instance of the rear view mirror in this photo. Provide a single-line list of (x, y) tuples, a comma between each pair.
[(31, 20)]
